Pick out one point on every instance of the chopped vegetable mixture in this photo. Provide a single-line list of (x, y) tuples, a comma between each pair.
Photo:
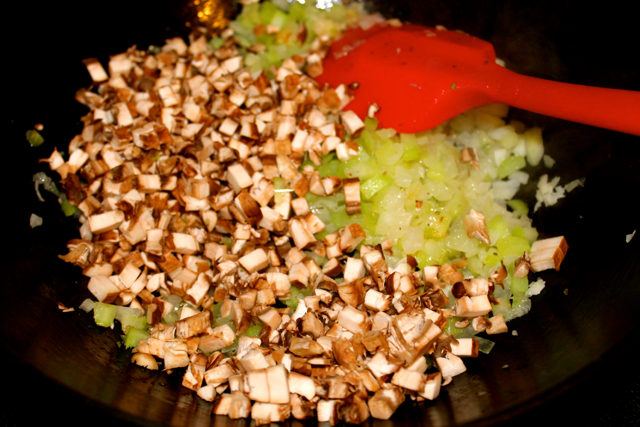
[(285, 256)]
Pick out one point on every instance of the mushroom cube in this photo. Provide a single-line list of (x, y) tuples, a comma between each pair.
[(548, 253)]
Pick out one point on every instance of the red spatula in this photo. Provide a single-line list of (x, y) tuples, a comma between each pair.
[(421, 77)]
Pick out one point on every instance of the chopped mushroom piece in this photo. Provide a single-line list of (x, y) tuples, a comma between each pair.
[(465, 347), (548, 253), (351, 188), (450, 365), (473, 306), (522, 266), (475, 226)]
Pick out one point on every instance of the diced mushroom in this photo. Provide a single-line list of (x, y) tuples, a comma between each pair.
[(476, 228), (450, 365), (548, 253), (352, 195), (384, 402), (465, 347), (473, 306)]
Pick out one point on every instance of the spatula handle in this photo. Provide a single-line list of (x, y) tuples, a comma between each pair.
[(613, 109)]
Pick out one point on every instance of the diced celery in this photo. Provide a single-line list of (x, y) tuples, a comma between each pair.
[(510, 165), (389, 154), (534, 145), (267, 11), (434, 253), (455, 206), (518, 231), (337, 12), (441, 163), (231, 349), (67, 208), (131, 318), (370, 124), (519, 285), (498, 228), (512, 246), (224, 321), (296, 10), (134, 336), (492, 258), (411, 152), (386, 134), (253, 331), (519, 207), (292, 302), (500, 305), (363, 170), (370, 187), (509, 139), (340, 218), (366, 141), (171, 318), (104, 314), (519, 307), (450, 328), (215, 310), (34, 138)]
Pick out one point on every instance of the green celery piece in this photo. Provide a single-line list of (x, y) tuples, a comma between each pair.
[(104, 314), (227, 241), (250, 16), (253, 331), (337, 12), (279, 19), (389, 154), (34, 138), (232, 348), (67, 208), (370, 187), (171, 318), (518, 231), (370, 124), (340, 218), (131, 318), (503, 305), (296, 293), (510, 165), (519, 286), (450, 328), (492, 258), (455, 206), (512, 246), (297, 11), (216, 43), (134, 336), (362, 169), (519, 207), (411, 152), (215, 310), (433, 253), (534, 145), (498, 228), (366, 141), (267, 12), (224, 321), (437, 226), (520, 302)]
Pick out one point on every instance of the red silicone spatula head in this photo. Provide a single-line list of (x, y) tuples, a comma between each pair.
[(421, 77), (418, 76)]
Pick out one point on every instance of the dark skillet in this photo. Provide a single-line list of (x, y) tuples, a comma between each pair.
[(574, 356)]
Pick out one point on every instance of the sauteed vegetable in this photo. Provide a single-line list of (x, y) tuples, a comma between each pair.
[(298, 261)]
